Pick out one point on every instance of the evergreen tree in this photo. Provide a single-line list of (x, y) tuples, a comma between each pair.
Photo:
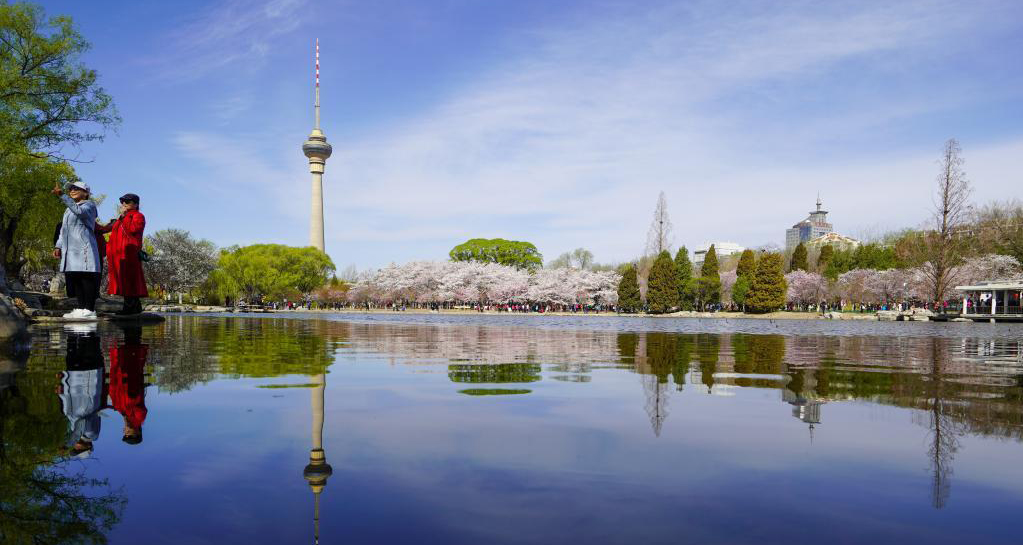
[(799, 262), (768, 287), (662, 287), (747, 264), (709, 283), (824, 258), (740, 290), (628, 291), (684, 278)]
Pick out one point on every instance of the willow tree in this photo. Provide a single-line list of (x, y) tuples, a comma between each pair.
[(515, 253), (50, 102)]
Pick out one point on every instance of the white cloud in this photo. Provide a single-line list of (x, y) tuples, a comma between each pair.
[(233, 34), (741, 112), (590, 124)]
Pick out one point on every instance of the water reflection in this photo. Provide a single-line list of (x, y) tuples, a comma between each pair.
[(953, 388), (81, 388), (46, 495), (318, 470)]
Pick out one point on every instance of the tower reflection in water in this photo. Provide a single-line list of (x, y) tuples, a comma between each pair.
[(318, 470)]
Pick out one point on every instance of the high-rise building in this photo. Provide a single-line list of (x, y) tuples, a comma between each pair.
[(815, 225), (317, 150), (721, 250)]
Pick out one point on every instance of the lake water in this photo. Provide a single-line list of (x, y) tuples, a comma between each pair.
[(513, 429)]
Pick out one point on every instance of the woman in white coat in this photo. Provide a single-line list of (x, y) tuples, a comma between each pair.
[(77, 249)]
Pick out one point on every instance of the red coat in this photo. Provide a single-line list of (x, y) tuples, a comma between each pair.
[(127, 383), (126, 276)]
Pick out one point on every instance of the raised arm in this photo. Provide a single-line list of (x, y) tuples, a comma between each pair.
[(85, 210)]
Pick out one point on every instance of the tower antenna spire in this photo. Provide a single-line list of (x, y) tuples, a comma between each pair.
[(317, 107)]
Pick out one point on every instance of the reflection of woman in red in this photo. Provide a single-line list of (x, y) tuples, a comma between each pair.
[(127, 383)]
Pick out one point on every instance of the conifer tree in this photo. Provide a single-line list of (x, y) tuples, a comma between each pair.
[(824, 258), (799, 261), (629, 300), (662, 287), (709, 283), (684, 278), (740, 290), (768, 287), (747, 264)]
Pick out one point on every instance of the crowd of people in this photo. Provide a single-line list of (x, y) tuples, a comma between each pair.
[(81, 246)]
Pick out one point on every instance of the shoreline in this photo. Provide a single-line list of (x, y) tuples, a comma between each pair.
[(780, 315)]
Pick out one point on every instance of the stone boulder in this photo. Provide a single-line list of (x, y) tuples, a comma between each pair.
[(12, 319)]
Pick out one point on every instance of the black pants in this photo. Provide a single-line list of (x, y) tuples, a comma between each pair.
[(84, 286)]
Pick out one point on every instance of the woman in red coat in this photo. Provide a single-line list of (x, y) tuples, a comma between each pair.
[(126, 278)]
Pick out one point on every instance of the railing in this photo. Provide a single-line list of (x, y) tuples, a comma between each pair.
[(985, 309)]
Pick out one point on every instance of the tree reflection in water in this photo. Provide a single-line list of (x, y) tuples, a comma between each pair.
[(44, 497), (955, 386)]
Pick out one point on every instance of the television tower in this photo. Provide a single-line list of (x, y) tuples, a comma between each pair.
[(317, 150)]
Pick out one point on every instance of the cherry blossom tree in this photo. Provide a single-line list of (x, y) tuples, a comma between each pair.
[(425, 282), (805, 288)]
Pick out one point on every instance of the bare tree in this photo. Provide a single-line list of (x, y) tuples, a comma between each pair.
[(659, 238), (349, 274), (944, 242)]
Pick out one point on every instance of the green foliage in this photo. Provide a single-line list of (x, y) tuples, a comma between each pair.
[(662, 286), (518, 254), (628, 291), (824, 258), (29, 213), (580, 258), (865, 256), (708, 285), (48, 98), (500, 373), (684, 278), (44, 499), (759, 354), (494, 391), (799, 259), (747, 263), (273, 270), (740, 290), (767, 290)]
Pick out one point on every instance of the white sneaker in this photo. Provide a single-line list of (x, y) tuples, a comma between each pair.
[(80, 314)]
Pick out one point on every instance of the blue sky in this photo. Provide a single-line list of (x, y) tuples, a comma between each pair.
[(552, 122)]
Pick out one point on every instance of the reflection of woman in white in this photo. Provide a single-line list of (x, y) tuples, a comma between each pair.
[(81, 389)]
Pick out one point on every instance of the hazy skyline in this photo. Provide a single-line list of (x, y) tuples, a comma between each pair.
[(552, 123)]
